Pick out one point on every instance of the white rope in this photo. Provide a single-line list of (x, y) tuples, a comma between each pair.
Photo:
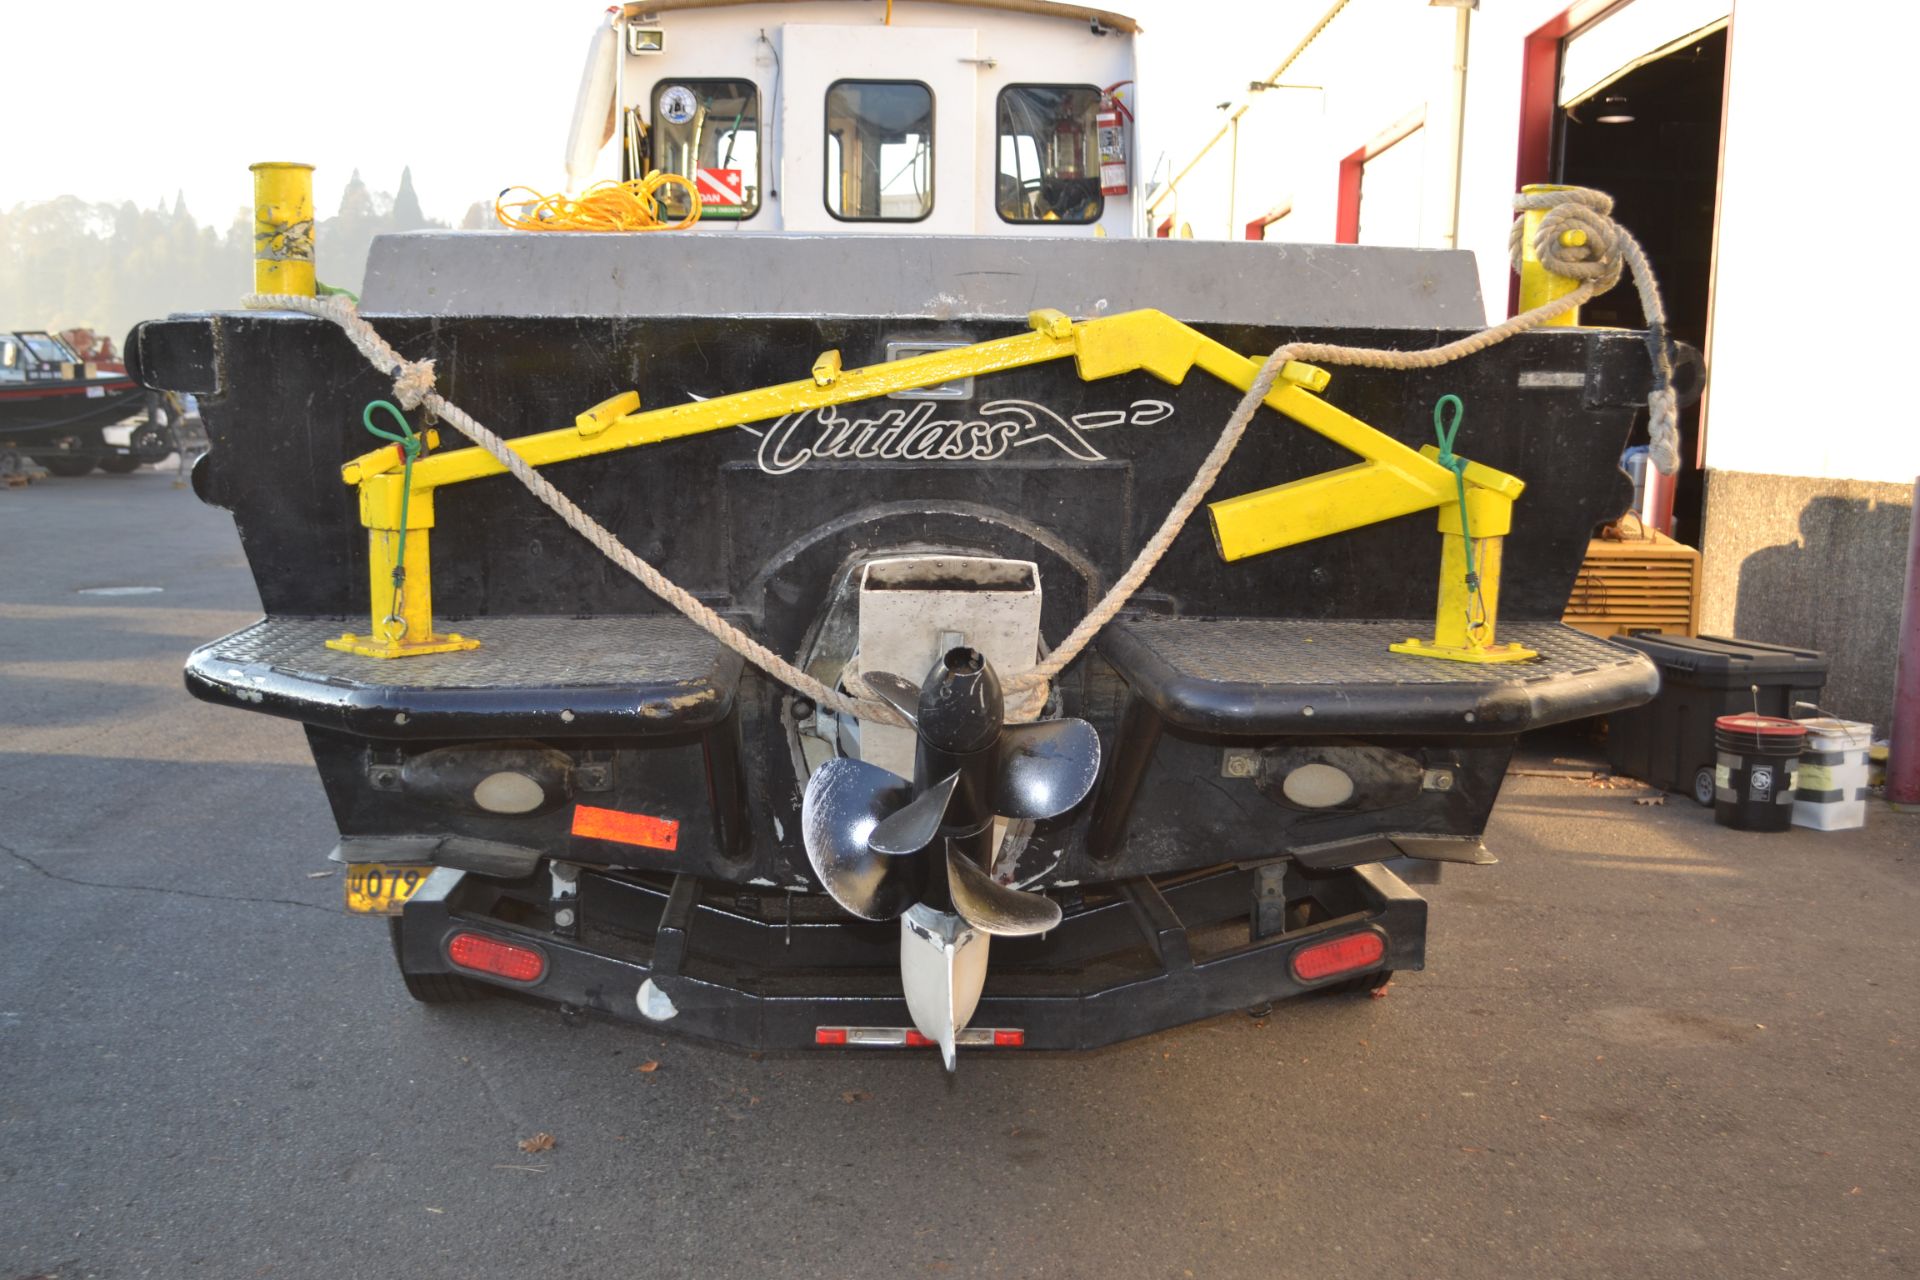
[(1598, 267), (1609, 247)]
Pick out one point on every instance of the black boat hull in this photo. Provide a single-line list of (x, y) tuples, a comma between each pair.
[(767, 523), (41, 415)]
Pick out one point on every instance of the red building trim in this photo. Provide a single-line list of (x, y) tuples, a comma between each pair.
[(1540, 98), (1346, 219), (1257, 229)]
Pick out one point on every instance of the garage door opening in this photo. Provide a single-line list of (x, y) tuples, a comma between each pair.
[(1651, 138)]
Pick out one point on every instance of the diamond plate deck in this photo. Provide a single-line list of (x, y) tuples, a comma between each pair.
[(1292, 675), (1316, 651), (546, 675), (553, 653)]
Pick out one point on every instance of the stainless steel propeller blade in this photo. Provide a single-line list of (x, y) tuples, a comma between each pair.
[(1045, 768), (913, 828), (992, 907), (897, 692), (845, 801)]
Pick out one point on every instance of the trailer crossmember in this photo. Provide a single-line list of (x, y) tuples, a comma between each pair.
[(742, 970)]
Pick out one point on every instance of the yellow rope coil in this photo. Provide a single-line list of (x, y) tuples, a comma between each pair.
[(605, 206)]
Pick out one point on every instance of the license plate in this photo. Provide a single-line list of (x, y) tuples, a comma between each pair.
[(376, 889)]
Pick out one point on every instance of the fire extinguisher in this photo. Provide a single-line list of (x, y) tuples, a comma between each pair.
[(1111, 125)]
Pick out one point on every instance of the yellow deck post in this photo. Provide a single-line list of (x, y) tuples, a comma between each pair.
[(1466, 619), (400, 621), (1539, 286), (283, 228)]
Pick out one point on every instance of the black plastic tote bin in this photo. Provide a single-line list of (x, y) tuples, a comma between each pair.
[(1669, 741)]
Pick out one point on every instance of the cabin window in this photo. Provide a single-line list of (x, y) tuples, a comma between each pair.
[(879, 150), (11, 367), (46, 350), (709, 131), (1049, 157)]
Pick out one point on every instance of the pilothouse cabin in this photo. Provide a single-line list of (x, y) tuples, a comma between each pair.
[(963, 117)]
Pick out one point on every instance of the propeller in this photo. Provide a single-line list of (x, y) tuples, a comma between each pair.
[(881, 844)]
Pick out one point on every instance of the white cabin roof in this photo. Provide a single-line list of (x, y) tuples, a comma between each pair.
[(1045, 8)]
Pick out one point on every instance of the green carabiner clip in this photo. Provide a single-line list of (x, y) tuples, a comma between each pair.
[(1448, 413), (1446, 431), (412, 444)]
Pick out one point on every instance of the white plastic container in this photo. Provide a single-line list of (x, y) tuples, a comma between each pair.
[(1832, 785)]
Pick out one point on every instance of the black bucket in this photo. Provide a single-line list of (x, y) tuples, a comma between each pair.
[(1755, 775)]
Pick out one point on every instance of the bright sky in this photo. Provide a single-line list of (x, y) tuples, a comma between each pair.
[(476, 96)]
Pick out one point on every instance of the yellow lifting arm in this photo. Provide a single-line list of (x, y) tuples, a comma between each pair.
[(620, 423), (1390, 480)]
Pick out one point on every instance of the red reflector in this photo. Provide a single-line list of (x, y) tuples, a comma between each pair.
[(1338, 955), (909, 1038), (501, 959)]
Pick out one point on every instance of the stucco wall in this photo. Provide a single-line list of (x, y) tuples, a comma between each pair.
[(1814, 563)]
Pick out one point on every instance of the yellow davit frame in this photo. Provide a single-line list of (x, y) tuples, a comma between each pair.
[(1391, 480)]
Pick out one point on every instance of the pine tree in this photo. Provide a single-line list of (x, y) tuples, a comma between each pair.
[(65, 264), (356, 202), (406, 205)]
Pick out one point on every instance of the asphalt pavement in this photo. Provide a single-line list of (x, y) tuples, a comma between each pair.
[(1643, 1046)]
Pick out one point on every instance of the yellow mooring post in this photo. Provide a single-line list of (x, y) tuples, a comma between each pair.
[(1466, 620), (399, 523), (283, 228), (1539, 286)]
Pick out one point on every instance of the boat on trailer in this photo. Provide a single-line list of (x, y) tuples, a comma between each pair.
[(55, 407), (903, 406)]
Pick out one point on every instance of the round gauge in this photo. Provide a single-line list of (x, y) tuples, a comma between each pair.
[(677, 104)]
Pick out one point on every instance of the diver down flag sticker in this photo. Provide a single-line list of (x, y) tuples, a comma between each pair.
[(626, 828), (727, 187)]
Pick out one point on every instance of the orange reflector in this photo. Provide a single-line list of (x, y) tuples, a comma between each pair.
[(1344, 954), (626, 828), (482, 954)]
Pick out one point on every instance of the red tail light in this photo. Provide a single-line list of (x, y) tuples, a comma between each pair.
[(1348, 953), (487, 955), (829, 1035)]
